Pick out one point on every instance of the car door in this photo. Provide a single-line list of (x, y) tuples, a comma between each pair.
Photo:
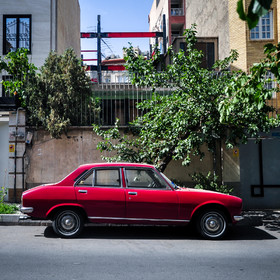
[(148, 196), (101, 193)]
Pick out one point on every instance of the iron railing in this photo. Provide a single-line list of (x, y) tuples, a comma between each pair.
[(119, 101), (116, 98)]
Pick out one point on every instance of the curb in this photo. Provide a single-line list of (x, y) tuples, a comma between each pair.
[(19, 219)]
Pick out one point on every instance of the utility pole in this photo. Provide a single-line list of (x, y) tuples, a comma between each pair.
[(99, 50)]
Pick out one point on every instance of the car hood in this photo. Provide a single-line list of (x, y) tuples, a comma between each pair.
[(205, 192)]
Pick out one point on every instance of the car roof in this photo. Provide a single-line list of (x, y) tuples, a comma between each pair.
[(122, 164), (70, 178)]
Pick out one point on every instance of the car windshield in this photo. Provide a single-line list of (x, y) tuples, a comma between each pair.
[(169, 181)]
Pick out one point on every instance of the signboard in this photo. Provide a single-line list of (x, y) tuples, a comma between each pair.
[(11, 148)]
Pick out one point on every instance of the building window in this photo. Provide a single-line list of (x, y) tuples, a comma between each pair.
[(208, 49), (264, 28), (16, 32), (157, 2), (271, 83)]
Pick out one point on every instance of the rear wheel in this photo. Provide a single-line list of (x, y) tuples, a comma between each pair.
[(212, 224), (68, 223)]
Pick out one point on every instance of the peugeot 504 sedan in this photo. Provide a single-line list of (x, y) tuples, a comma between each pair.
[(128, 193)]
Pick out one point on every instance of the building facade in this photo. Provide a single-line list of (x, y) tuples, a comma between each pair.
[(40, 26), (254, 168)]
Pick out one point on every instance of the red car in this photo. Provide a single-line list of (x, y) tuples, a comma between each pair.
[(128, 193)]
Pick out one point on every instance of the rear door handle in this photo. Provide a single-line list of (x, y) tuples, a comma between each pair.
[(132, 193), (82, 191)]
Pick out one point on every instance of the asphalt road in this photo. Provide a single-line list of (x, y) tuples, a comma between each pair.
[(30, 252)]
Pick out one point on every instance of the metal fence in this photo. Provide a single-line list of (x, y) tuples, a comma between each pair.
[(116, 98), (119, 101)]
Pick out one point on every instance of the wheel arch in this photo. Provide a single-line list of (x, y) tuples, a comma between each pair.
[(210, 206), (75, 207)]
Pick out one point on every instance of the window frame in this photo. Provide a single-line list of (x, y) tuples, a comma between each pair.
[(166, 188), (105, 186), (17, 17), (260, 26), (93, 172)]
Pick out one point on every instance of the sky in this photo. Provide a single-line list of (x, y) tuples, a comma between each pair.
[(116, 16)]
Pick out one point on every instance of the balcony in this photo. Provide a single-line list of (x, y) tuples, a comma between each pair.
[(177, 12)]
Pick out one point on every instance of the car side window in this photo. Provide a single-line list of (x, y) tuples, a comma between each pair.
[(144, 178), (107, 178), (86, 180)]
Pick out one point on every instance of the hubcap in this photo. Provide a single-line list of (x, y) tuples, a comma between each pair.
[(213, 224), (68, 223)]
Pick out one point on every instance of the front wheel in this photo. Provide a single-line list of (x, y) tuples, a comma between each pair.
[(68, 223), (212, 224)]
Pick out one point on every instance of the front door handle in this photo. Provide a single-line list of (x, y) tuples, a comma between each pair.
[(82, 191), (132, 193)]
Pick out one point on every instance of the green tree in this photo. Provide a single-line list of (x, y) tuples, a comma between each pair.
[(256, 9), (22, 71), (204, 107), (61, 86), (52, 95)]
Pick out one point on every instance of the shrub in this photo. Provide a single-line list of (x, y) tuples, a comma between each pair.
[(4, 207), (210, 182)]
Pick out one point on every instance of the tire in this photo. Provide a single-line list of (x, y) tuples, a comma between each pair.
[(68, 223), (212, 224)]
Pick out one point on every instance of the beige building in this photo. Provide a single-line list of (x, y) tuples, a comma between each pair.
[(218, 27), (255, 170)]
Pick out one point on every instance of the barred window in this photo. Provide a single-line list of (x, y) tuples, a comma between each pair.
[(16, 32), (271, 83)]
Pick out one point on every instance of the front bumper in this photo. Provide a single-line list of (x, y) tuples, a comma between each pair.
[(26, 210), (238, 218)]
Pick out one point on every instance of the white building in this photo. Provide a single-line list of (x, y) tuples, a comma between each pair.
[(40, 26)]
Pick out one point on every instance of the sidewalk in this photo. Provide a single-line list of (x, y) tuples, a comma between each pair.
[(268, 218)]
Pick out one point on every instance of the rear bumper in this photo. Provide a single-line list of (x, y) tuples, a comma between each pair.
[(26, 210)]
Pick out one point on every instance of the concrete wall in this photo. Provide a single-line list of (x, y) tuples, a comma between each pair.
[(50, 160), (68, 26), (211, 17)]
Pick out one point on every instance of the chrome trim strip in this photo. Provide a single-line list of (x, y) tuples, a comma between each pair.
[(26, 210), (238, 218), (138, 219)]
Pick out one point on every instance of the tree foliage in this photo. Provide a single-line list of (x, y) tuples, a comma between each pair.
[(256, 9), (52, 95), (203, 107), (210, 182), (61, 86), (24, 73)]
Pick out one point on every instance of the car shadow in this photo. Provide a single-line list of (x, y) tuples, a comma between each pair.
[(161, 232)]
